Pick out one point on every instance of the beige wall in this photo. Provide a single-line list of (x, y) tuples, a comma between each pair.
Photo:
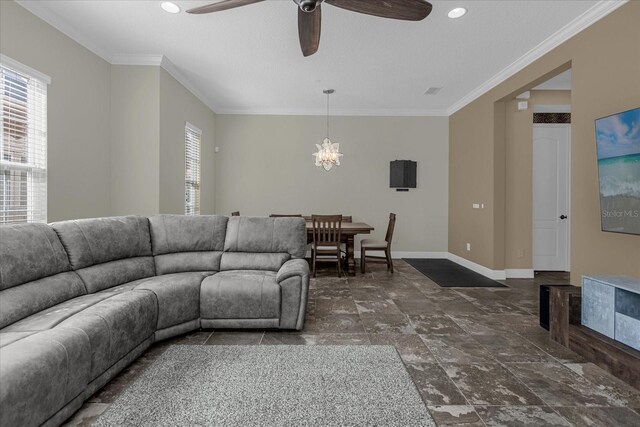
[(78, 112), (265, 165), (178, 106), (605, 68), (149, 110), (519, 176), (135, 136), (115, 133)]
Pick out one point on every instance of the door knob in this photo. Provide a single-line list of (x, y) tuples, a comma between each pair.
[(563, 217)]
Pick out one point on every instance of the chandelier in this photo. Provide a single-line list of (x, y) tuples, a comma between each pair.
[(328, 152)]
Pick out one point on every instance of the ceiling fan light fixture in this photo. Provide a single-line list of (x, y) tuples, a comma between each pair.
[(170, 7), (308, 5), (457, 12)]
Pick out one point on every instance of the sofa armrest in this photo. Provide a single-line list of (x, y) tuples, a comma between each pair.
[(291, 268), (293, 279)]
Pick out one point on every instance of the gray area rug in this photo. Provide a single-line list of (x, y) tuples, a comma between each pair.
[(271, 386)]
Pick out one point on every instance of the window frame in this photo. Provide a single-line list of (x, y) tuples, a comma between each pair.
[(36, 143), (193, 181)]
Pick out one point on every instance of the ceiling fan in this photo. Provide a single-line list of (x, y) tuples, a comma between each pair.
[(309, 14)]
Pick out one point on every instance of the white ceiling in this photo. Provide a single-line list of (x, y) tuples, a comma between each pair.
[(248, 60)]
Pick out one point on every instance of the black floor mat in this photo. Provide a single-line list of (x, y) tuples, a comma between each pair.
[(448, 274)]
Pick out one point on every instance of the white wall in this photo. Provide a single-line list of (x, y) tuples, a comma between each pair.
[(78, 112), (265, 165)]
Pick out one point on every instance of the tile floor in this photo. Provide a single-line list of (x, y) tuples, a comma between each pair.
[(476, 355)]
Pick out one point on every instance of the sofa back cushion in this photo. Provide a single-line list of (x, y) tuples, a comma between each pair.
[(34, 272), (107, 252), (187, 243), (262, 243)]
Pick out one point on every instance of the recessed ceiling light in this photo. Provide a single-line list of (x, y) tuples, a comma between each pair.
[(170, 7), (457, 12)]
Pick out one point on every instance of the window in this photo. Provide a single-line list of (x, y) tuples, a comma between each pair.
[(192, 142), (23, 143)]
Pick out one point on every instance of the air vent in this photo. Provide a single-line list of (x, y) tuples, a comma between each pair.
[(433, 90)]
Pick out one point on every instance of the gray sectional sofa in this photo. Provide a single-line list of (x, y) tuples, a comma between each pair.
[(80, 300)]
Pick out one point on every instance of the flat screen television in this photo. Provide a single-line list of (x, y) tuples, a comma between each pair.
[(618, 146)]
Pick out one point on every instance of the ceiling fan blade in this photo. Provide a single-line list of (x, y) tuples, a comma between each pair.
[(221, 5), (309, 30), (407, 10)]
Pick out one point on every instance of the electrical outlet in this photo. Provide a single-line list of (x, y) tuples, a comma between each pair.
[(520, 253), (476, 206), (468, 246)]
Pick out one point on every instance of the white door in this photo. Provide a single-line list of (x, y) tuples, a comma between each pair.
[(551, 197)]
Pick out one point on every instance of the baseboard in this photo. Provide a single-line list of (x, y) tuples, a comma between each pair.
[(405, 254), (510, 273), (481, 269), (519, 273)]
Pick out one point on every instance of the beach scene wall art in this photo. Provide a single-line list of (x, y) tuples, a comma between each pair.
[(618, 146)]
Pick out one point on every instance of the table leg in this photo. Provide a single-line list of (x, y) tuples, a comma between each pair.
[(351, 262)]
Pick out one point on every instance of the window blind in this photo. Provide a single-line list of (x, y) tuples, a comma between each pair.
[(23, 144), (193, 141)]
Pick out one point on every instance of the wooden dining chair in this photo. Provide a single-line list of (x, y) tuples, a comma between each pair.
[(325, 245), (376, 245), (236, 213), (285, 216), (345, 218)]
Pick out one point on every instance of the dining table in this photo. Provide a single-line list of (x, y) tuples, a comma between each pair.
[(348, 231)]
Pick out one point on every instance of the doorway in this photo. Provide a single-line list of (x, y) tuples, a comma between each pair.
[(551, 196)]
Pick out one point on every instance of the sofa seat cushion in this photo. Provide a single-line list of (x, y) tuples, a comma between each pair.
[(51, 317), (41, 373), (178, 296), (236, 294), (115, 326)]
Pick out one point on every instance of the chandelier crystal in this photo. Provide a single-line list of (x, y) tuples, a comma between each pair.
[(328, 153)]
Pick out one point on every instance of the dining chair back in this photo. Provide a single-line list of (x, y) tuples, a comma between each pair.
[(390, 227), (325, 245), (378, 246), (345, 218)]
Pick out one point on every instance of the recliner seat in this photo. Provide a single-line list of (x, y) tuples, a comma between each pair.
[(80, 300)]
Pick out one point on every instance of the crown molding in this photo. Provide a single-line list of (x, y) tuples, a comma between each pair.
[(334, 112), (158, 60), (171, 68), (137, 59), (594, 14), (59, 23)]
